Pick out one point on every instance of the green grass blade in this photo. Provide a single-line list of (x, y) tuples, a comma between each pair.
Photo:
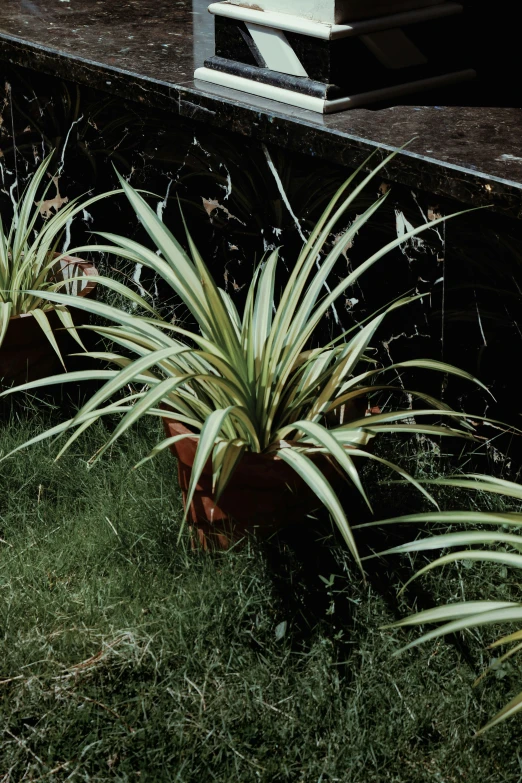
[(59, 429)]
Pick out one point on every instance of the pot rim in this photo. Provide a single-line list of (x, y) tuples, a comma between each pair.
[(88, 268), (257, 455)]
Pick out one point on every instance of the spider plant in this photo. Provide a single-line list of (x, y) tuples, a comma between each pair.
[(500, 533), (252, 381), (29, 260)]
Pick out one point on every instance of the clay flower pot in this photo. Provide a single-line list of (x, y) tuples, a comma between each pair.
[(263, 496), (26, 354)]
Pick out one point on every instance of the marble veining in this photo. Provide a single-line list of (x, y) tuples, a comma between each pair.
[(146, 52)]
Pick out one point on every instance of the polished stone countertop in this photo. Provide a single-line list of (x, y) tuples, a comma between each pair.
[(146, 51)]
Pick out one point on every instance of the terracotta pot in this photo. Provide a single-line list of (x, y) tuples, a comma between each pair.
[(26, 354), (263, 495)]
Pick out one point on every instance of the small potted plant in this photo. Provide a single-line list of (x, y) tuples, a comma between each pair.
[(33, 331), (263, 420)]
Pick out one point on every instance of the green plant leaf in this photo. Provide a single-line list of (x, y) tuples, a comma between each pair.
[(67, 322), (464, 538), (207, 439), (450, 612), (233, 451), (165, 444), (46, 328), (324, 438), (514, 706), (315, 479), (511, 613), (483, 555), (5, 315), (450, 517)]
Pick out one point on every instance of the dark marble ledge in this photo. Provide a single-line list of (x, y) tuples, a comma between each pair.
[(467, 153)]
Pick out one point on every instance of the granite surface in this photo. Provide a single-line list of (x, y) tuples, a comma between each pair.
[(147, 51)]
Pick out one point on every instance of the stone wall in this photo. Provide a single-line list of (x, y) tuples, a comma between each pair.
[(241, 198)]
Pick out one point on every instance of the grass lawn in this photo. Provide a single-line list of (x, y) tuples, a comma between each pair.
[(125, 656)]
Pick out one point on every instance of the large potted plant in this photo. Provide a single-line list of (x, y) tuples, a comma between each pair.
[(34, 332), (252, 406)]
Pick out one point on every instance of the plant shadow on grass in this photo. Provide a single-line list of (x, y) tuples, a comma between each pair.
[(315, 576)]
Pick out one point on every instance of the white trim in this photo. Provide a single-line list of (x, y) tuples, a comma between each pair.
[(275, 50), (298, 24), (399, 90), (286, 22), (336, 11), (262, 90), (318, 104)]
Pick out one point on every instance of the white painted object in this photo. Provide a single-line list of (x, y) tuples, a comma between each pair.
[(335, 11), (275, 50), (324, 106), (327, 32), (383, 35)]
